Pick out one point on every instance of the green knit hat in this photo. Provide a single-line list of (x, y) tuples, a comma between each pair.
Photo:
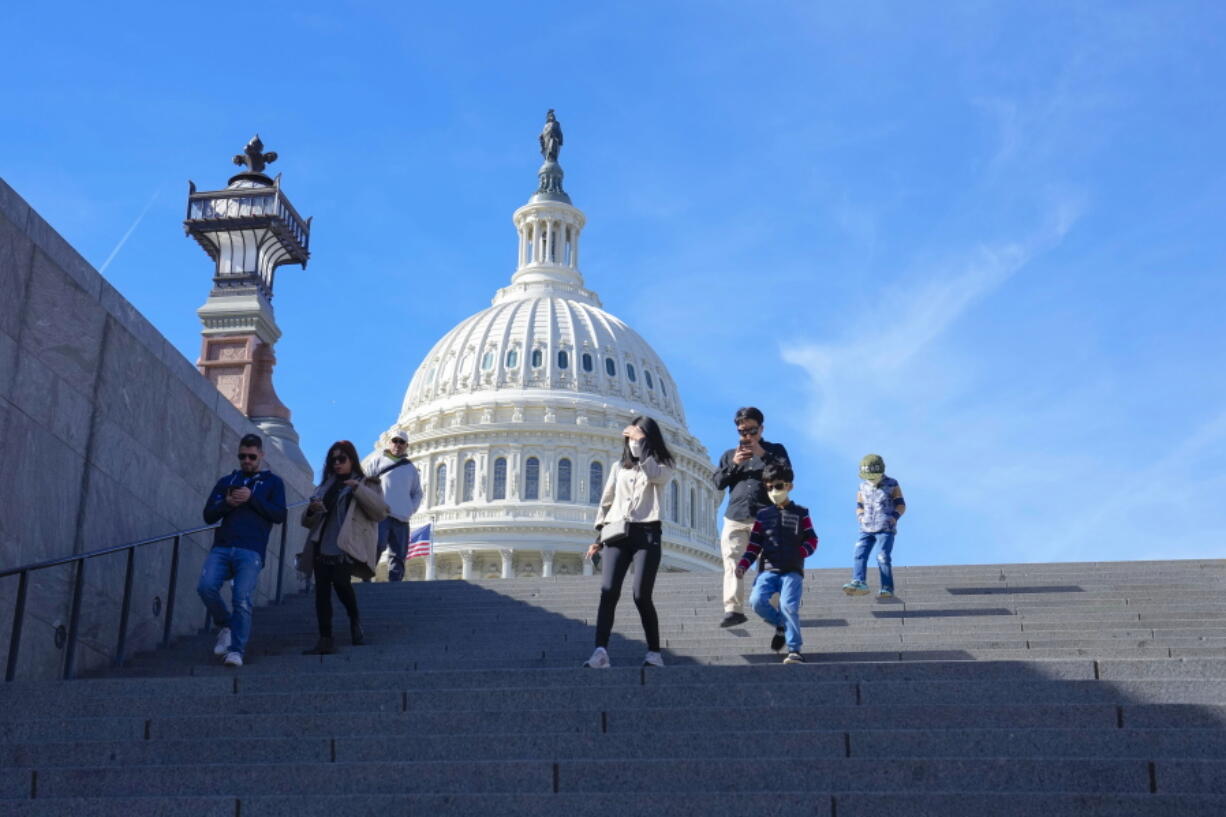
[(872, 468)]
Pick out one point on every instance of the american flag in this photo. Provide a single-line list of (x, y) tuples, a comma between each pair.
[(419, 542)]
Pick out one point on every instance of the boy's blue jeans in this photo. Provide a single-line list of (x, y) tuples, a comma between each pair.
[(864, 546), (789, 586), (243, 566)]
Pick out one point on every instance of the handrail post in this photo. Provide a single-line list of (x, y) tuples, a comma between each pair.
[(281, 558), (125, 609), (74, 620), (19, 614), (170, 592)]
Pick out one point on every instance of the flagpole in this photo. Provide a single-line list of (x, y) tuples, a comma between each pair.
[(430, 556)]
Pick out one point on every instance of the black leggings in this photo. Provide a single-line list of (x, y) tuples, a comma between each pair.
[(329, 576), (642, 547)]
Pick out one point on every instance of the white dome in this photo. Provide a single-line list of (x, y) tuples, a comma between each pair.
[(545, 342), (514, 420)]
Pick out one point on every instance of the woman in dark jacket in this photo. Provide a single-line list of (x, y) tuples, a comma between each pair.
[(343, 516)]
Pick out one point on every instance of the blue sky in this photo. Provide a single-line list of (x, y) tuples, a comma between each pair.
[(984, 240)]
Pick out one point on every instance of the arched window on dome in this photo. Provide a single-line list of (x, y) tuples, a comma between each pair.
[(433, 372), (595, 483), (587, 362), (630, 373), (563, 359), (675, 501), (499, 488), (538, 358), (569, 248), (663, 389), (693, 509), (532, 478), (610, 366), (647, 379), (512, 358), (470, 480), (440, 484), (487, 360), (564, 480)]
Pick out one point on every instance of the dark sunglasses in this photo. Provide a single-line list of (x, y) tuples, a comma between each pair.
[(749, 432), (776, 486), (339, 458), (252, 457)]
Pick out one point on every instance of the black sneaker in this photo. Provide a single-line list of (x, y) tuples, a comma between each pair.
[(794, 658), (733, 619), (778, 639)]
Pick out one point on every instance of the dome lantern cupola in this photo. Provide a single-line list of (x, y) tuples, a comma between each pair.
[(549, 227)]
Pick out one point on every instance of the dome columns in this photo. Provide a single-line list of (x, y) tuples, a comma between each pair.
[(548, 243)]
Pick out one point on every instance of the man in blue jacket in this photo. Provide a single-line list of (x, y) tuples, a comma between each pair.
[(249, 501)]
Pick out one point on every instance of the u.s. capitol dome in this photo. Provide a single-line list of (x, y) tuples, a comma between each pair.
[(514, 419)]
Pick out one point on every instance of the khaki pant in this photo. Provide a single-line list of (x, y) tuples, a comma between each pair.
[(732, 543)]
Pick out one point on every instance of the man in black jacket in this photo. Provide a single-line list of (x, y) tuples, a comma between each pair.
[(248, 502), (740, 471)]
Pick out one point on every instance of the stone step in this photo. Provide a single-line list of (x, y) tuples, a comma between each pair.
[(1146, 744), (591, 720), (818, 774), (776, 804), (819, 686)]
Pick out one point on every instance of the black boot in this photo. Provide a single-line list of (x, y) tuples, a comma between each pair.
[(357, 637), (322, 647)]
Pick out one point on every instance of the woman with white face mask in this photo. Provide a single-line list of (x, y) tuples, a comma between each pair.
[(629, 532)]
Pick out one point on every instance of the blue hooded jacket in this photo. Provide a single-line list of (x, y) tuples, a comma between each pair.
[(248, 525)]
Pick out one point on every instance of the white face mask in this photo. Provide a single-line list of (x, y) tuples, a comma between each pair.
[(636, 448), (779, 497)]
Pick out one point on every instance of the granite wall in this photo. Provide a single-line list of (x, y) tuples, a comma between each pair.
[(107, 435)]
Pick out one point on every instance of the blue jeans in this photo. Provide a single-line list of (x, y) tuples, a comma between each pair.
[(243, 566), (864, 546), (394, 536), (789, 586)]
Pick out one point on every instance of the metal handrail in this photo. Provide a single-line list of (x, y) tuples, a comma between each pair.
[(125, 608)]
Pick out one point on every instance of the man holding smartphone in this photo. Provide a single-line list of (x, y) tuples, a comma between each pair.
[(248, 502), (740, 471)]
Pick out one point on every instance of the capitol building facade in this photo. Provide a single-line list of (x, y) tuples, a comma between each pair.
[(514, 418)]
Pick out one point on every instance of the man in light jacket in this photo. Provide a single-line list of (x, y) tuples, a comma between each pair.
[(402, 492)]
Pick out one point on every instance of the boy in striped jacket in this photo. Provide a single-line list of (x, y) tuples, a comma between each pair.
[(782, 537), (879, 505)]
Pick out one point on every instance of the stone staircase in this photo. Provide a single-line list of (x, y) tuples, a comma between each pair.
[(1064, 689)]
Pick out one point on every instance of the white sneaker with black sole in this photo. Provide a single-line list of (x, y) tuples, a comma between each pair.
[(599, 659), (653, 659), (223, 642), (233, 659)]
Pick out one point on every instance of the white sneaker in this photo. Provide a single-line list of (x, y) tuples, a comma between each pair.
[(223, 642), (599, 659), (233, 659), (653, 659)]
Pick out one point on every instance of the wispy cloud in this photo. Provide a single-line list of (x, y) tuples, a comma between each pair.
[(128, 234)]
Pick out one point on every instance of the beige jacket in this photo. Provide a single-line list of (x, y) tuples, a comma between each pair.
[(358, 537), (634, 494)]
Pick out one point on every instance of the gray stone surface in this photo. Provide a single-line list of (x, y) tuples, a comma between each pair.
[(1182, 776), (820, 774), (125, 807), (16, 259), (300, 778), (1015, 804), (535, 805)]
